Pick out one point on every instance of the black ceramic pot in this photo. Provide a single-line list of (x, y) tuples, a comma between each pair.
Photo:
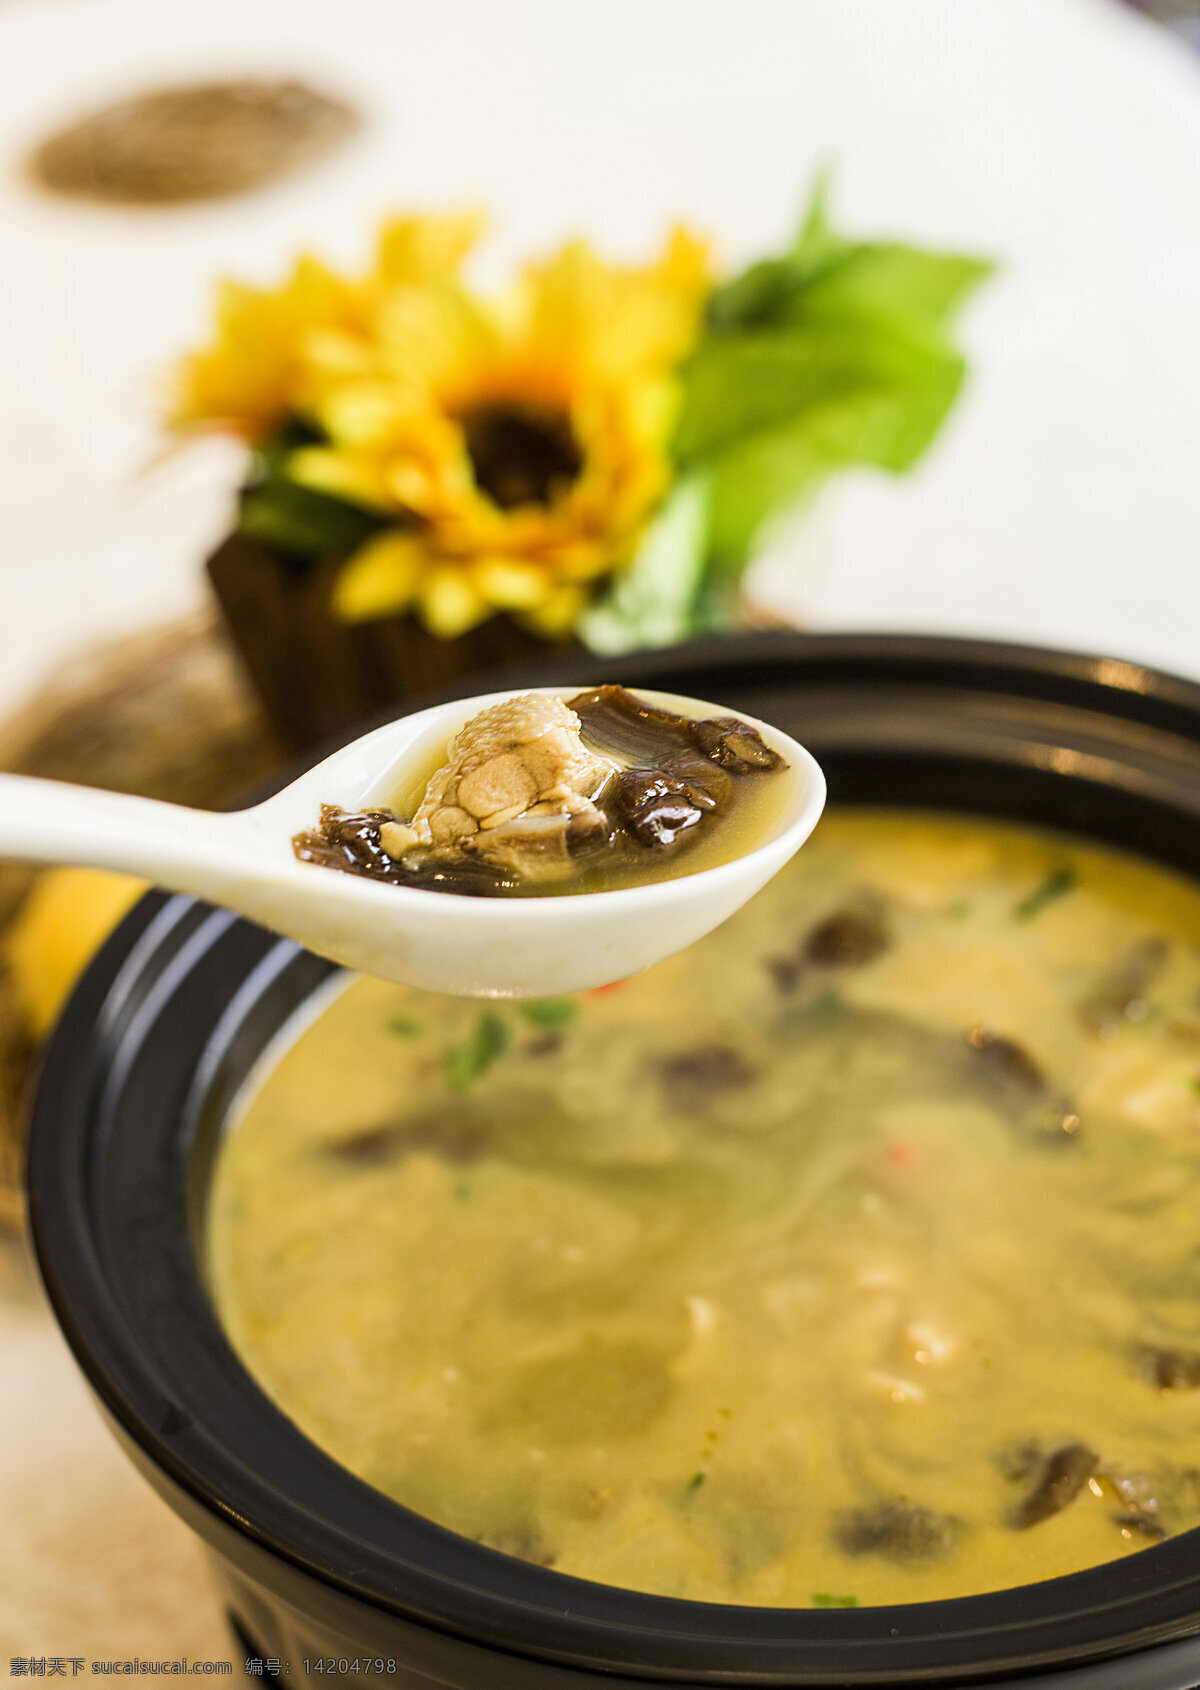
[(316, 1565)]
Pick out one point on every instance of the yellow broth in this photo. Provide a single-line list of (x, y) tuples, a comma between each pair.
[(750, 814), (783, 1273), (536, 798)]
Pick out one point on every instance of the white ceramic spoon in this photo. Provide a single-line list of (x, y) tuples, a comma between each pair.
[(473, 947)]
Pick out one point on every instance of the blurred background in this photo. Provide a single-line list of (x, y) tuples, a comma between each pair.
[(1059, 504)]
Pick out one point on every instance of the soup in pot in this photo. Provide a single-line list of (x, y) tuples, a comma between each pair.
[(851, 1256)]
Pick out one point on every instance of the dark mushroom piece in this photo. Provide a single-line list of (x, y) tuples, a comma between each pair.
[(1120, 993), (1141, 1524), (654, 813), (1138, 1496), (616, 723), (681, 770), (692, 1075), (1063, 1475), (733, 744), (1006, 1061), (353, 842), (349, 840), (1019, 1462), (786, 972), (849, 938), (457, 1137), (1171, 1369), (1043, 1115), (657, 805), (901, 1531), (544, 1044)]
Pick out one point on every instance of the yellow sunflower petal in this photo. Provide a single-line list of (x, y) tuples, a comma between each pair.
[(617, 320), (586, 560), (414, 249), (402, 365), (436, 337), (557, 614), (247, 380), (509, 584), (685, 265), (359, 413), (336, 354), (449, 604), (344, 475), (380, 578)]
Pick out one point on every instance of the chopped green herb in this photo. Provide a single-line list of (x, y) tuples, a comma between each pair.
[(465, 1063), (828, 1006), (958, 910), (694, 1483), (549, 1012), (823, 1599), (1055, 886), (403, 1027)]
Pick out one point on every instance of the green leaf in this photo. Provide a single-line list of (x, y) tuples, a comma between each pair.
[(271, 455), (302, 522), (872, 390), (465, 1063), (886, 418), (825, 273), (652, 602), (403, 1028), (299, 520), (753, 480), (837, 352), (890, 280), (823, 1599), (754, 298), (549, 1012)]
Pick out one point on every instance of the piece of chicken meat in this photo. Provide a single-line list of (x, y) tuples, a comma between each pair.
[(519, 789)]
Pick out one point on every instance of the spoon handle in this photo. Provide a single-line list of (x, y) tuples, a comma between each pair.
[(49, 821)]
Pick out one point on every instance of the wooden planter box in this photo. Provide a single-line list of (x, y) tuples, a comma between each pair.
[(319, 678)]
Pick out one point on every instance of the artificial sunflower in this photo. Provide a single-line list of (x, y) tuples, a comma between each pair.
[(511, 450), (252, 379), (596, 451)]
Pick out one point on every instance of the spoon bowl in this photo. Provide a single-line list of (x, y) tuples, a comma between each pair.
[(438, 941)]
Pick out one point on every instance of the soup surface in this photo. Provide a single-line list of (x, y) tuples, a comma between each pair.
[(852, 1256)]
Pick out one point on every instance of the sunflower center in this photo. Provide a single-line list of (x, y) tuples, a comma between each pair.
[(522, 454)]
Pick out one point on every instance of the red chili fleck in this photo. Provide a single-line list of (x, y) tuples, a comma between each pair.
[(903, 1156)]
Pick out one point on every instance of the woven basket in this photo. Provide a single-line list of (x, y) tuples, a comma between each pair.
[(318, 678)]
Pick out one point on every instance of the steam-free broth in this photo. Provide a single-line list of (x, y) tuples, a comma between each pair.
[(852, 1256)]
